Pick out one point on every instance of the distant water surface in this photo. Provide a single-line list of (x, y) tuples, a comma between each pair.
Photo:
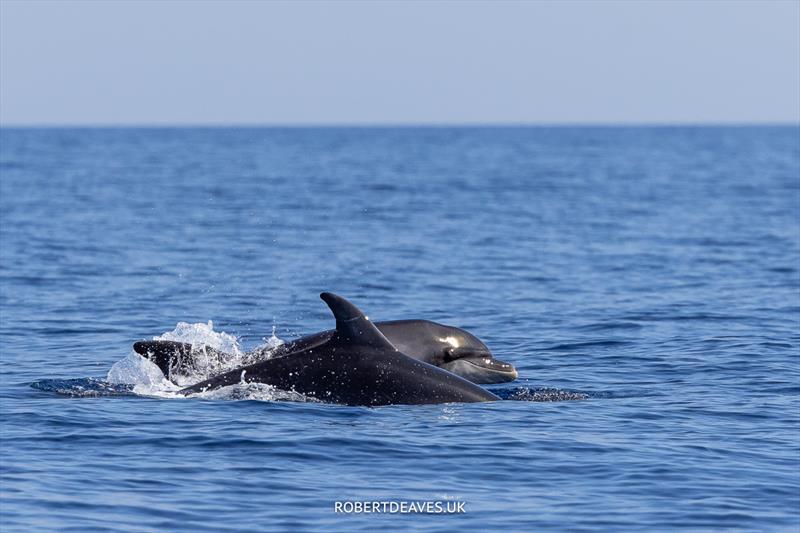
[(654, 272)]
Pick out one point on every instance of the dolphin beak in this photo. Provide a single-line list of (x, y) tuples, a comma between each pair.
[(482, 369)]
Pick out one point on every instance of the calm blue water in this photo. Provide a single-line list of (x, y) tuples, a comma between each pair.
[(655, 270)]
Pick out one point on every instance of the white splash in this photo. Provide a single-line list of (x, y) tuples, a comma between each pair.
[(145, 376), (134, 369), (148, 380), (267, 347), (200, 334)]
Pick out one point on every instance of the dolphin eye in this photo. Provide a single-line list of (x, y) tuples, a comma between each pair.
[(452, 353)]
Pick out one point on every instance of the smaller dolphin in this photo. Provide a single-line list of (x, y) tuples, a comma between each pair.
[(355, 365), (447, 347)]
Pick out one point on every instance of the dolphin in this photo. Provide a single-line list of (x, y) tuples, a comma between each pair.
[(355, 365), (447, 347)]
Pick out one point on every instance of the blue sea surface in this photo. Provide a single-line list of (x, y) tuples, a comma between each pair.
[(648, 279)]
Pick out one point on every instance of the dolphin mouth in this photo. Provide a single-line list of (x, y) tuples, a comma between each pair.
[(482, 369)]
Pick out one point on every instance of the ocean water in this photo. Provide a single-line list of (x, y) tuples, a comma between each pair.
[(644, 281)]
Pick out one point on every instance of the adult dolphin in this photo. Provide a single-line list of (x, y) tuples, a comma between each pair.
[(356, 365), (447, 347)]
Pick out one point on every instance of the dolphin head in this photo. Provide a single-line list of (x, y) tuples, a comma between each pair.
[(465, 355), (448, 347)]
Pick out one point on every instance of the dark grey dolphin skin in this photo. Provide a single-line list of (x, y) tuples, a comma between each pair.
[(447, 347), (356, 365)]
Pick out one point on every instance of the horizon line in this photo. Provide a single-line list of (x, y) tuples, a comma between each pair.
[(386, 125)]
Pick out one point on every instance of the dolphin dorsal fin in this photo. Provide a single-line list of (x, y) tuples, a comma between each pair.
[(352, 325)]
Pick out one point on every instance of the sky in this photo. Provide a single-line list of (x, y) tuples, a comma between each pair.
[(436, 62)]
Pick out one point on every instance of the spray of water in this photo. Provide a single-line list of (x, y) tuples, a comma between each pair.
[(148, 380)]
